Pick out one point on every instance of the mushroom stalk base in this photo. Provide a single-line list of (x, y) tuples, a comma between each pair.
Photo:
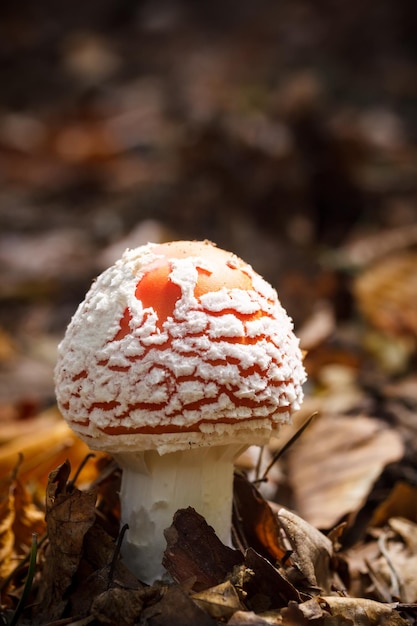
[(154, 487)]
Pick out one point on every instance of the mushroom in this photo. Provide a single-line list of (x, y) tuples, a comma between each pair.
[(178, 359)]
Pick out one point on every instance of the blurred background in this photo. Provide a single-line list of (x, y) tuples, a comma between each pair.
[(283, 131)]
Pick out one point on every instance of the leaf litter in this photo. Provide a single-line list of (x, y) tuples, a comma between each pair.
[(292, 178), (295, 575), (324, 522)]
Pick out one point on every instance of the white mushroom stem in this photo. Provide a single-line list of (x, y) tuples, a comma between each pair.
[(155, 486)]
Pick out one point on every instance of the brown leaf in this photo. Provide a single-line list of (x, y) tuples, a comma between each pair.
[(352, 611), (69, 515), (386, 294), (43, 442), (19, 519), (195, 552), (401, 501), (267, 588), (118, 606), (99, 571), (28, 520), (177, 608), (249, 618), (335, 463), (311, 549), (220, 602), (254, 522), (7, 516)]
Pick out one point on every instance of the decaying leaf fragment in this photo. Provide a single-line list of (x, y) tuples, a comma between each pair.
[(195, 552), (69, 515)]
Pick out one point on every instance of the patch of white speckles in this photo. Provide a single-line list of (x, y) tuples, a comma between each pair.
[(225, 326), (237, 299)]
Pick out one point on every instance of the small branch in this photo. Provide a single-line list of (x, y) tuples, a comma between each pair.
[(81, 466), (289, 443), (117, 552)]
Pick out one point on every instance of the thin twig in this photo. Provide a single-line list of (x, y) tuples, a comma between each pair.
[(395, 582), (81, 466), (117, 551), (289, 443), (259, 463)]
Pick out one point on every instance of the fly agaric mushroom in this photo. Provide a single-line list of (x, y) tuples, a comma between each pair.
[(179, 358)]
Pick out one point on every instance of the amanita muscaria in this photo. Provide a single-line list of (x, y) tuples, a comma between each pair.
[(179, 358)]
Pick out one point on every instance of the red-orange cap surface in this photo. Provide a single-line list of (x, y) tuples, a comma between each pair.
[(177, 345)]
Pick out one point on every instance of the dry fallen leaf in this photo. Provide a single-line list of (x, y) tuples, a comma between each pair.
[(69, 515), (19, 519), (118, 606), (28, 518), (311, 550), (401, 501), (267, 587), (254, 522), (42, 442), (386, 294), (220, 601), (195, 553), (176, 607), (351, 611), (335, 463), (7, 515)]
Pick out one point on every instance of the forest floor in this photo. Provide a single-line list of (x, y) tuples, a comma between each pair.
[(287, 134)]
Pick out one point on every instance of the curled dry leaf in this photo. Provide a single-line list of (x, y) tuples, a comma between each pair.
[(254, 522), (346, 611), (194, 552), (312, 550), (267, 587), (69, 515)]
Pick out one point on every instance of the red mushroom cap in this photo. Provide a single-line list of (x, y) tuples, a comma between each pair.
[(176, 345)]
